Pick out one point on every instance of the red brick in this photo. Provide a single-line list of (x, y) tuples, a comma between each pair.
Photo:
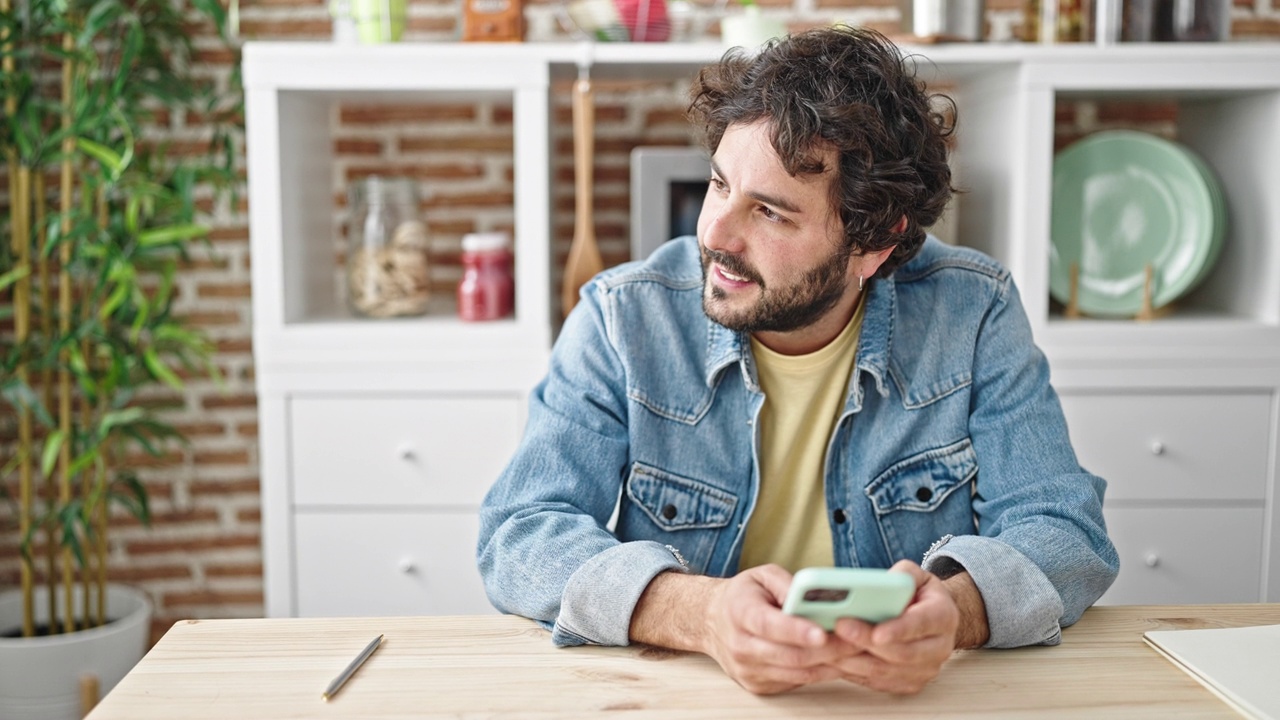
[(380, 114), (1255, 28), (1115, 111), (352, 146), (201, 429), (230, 233), (215, 402), (209, 596), (224, 487), (476, 143), (221, 457), (296, 28), (493, 199), (211, 318), (216, 56), (229, 290), (235, 345), (432, 24), (156, 546), (234, 570)]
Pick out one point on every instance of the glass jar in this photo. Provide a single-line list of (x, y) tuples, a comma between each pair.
[(487, 290), (387, 269), (1177, 20)]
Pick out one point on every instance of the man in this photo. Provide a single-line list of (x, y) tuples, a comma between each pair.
[(809, 382)]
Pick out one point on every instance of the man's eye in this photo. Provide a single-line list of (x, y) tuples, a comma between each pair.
[(717, 183), (769, 214)]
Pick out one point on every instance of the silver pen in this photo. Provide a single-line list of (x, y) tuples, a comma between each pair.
[(352, 667)]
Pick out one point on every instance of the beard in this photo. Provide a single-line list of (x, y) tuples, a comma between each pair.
[(778, 309)]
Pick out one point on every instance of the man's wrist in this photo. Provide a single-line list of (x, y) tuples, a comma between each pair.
[(672, 611), (973, 631)]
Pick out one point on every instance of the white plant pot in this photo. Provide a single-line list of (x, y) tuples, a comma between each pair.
[(749, 29), (41, 676)]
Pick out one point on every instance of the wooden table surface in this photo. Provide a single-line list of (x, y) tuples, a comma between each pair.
[(495, 666)]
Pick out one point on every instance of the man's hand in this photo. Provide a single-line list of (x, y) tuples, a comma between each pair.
[(740, 624), (905, 653)]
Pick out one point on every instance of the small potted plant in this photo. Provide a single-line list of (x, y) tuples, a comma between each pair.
[(93, 230)]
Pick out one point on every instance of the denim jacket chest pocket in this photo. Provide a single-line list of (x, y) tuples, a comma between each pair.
[(684, 513), (923, 497)]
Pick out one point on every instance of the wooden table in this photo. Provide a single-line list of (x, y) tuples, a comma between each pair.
[(493, 666)]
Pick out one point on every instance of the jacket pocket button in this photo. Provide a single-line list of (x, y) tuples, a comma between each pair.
[(669, 512), (838, 516), (924, 494)]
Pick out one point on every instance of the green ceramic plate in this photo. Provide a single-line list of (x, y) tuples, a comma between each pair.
[(1123, 200)]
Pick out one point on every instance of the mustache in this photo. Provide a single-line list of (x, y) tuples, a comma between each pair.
[(733, 264)]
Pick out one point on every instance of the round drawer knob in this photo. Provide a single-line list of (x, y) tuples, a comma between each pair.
[(1151, 559), (406, 452), (1157, 448), (407, 565)]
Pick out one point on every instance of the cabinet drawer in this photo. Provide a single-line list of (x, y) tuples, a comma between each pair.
[(412, 563), (416, 450), (1186, 555), (1174, 446)]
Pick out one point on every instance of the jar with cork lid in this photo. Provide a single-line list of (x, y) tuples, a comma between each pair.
[(387, 266)]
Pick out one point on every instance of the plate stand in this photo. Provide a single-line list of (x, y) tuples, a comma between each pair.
[(1145, 313)]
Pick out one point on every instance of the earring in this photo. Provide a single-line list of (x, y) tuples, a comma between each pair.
[(859, 282)]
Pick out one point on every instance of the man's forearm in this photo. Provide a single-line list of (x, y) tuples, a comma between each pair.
[(973, 631), (672, 611)]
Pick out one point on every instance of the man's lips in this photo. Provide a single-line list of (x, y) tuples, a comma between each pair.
[(729, 278)]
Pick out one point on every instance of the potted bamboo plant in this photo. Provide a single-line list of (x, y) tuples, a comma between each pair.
[(96, 223)]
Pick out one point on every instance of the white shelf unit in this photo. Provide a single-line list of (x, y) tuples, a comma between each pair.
[(378, 438)]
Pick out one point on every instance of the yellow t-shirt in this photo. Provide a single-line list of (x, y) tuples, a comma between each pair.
[(804, 395)]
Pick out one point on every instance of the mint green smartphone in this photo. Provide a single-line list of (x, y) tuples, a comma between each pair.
[(824, 594)]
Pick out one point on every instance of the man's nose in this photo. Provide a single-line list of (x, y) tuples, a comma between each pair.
[(723, 230)]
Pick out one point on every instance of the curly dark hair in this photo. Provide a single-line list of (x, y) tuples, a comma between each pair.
[(848, 89)]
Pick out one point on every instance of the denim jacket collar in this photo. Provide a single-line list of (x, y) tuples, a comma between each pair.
[(725, 346)]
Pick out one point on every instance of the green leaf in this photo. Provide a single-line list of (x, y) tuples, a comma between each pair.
[(117, 298), (14, 276), (171, 234), (103, 154), (132, 495), (52, 445), (160, 370), (116, 418)]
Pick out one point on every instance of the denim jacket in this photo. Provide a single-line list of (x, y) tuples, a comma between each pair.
[(641, 453)]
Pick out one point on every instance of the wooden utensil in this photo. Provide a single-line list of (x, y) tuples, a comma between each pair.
[(584, 256)]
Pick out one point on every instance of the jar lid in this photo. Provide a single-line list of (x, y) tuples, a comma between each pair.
[(482, 241)]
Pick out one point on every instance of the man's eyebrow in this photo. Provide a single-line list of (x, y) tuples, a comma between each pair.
[(762, 197)]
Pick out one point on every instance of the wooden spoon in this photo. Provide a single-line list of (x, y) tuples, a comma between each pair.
[(584, 256)]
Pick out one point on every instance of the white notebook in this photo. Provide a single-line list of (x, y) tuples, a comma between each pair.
[(1240, 665)]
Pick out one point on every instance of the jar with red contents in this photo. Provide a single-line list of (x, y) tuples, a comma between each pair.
[(487, 290)]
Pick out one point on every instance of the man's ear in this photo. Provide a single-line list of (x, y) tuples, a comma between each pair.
[(872, 261)]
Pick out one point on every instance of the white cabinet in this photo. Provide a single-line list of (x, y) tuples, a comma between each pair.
[(378, 438), (1188, 475)]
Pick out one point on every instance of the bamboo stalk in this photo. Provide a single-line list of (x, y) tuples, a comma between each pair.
[(95, 578), (20, 202), (46, 375), (21, 300), (64, 323)]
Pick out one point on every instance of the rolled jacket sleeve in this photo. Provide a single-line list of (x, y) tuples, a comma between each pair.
[(1042, 556), (544, 550)]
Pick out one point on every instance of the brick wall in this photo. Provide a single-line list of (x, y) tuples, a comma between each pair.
[(202, 558)]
